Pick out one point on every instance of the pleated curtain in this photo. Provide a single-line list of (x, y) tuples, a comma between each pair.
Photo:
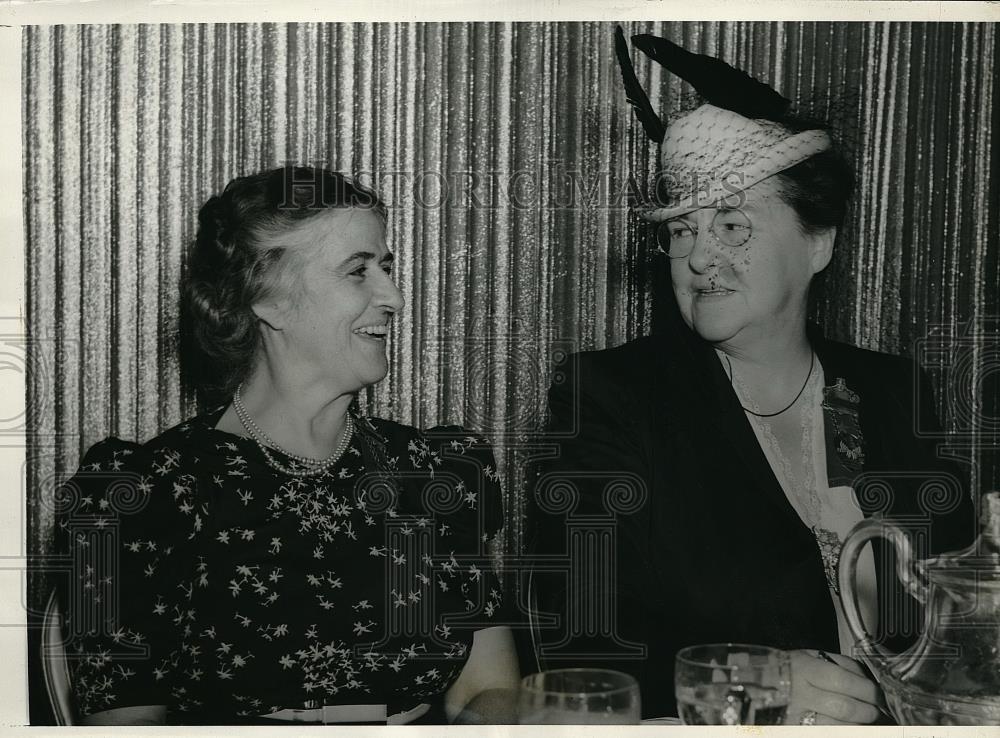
[(507, 153)]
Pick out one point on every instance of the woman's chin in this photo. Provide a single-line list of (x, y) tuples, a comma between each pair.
[(361, 374), (715, 329), (377, 372)]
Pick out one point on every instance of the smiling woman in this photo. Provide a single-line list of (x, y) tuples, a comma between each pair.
[(272, 562)]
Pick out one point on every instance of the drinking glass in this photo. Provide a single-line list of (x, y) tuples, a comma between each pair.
[(579, 697), (732, 684)]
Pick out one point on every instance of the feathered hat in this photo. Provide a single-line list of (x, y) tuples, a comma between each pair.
[(732, 142)]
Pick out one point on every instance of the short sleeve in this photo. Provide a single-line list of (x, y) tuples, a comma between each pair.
[(123, 520), (471, 458), (464, 497)]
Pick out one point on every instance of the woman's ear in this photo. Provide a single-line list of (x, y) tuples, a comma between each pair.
[(822, 249), (273, 313)]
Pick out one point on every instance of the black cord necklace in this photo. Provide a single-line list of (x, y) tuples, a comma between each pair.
[(812, 363)]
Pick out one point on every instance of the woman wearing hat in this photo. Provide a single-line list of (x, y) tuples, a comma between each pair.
[(752, 443), (283, 558)]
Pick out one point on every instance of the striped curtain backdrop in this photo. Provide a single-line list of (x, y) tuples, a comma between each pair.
[(506, 152)]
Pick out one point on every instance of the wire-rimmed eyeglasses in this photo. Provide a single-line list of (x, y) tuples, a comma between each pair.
[(676, 237)]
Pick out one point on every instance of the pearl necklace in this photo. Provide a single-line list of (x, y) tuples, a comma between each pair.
[(313, 466)]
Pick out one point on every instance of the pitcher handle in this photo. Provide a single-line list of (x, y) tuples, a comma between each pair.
[(863, 532)]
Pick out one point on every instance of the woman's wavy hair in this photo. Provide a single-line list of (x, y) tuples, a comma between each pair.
[(236, 260), (820, 188)]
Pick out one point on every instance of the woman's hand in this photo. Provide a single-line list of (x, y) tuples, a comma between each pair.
[(485, 693), (838, 693), (139, 715)]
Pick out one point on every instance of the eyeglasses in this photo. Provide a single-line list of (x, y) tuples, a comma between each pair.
[(676, 238)]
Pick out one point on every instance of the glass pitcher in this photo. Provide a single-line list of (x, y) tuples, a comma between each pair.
[(951, 675)]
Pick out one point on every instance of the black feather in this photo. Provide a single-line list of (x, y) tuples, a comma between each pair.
[(634, 93), (720, 84)]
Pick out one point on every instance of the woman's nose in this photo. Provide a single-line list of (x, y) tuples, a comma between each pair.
[(390, 295), (704, 252)]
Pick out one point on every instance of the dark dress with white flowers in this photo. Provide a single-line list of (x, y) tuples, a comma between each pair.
[(205, 580)]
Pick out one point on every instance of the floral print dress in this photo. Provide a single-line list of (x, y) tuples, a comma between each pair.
[(205, 580)]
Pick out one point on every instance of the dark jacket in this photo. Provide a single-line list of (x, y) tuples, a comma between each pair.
[(653, 455)]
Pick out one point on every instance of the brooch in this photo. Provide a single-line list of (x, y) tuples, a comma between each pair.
[(841, 412)]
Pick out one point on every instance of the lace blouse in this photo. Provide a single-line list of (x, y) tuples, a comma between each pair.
[(829, 512)]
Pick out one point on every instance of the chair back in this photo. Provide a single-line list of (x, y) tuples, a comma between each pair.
[(58, 684)]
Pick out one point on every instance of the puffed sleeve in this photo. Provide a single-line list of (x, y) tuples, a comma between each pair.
[(468, 510), (124, 531)]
